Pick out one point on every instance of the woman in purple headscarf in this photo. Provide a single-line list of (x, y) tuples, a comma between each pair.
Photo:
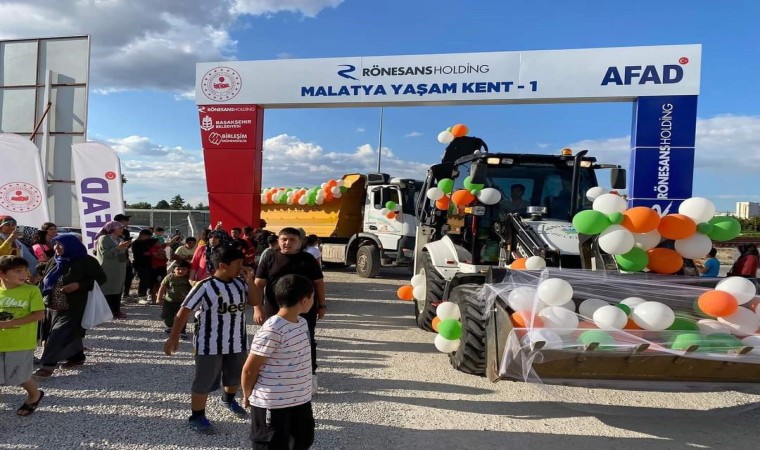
[(69, 277), (111, 252)]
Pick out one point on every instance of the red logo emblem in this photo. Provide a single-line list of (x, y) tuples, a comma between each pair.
[(683, 60), (221, 84), (110, 175), (20, 197)]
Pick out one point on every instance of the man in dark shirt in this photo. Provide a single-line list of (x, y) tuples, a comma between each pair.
[(291, 260), (142, 263), (125, 235)]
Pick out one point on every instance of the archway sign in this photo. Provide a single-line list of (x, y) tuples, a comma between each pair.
[(662, 82)]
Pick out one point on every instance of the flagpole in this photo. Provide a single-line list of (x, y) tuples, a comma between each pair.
[(380, 141)]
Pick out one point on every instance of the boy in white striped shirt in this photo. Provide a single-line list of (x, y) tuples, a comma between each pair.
[(276, 377)]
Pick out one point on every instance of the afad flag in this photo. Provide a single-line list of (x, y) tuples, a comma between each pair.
[(23, 187), (97, 174)]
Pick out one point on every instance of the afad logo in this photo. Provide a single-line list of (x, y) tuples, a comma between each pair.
[(221, 84), (348, 69), (628, 75)]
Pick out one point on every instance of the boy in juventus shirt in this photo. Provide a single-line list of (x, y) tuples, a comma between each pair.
[(277, 374), (220, 340)]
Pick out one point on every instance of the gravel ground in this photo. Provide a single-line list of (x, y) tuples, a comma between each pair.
[(382, 385)]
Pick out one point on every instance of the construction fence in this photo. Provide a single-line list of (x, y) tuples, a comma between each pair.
[(169, 219)]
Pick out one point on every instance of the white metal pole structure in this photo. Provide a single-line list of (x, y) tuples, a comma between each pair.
[(380, 141)]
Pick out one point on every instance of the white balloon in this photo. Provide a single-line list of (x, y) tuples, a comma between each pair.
[(445, 137), (653, 316), (263, 199), (489, 196), (752, 341), (535, 263), (710, 326), (302, 200), (338, 195), (570, 306), (743, 321), (610, 318), (446, 345), (322, 186), (559, 319), (553, 341), (385, 211), (321, 195), (447, 310), (632, 302), (741, 288), (555, 291), (610, 203), (419, 292), (595, 192), (589, 306), (524, 298), (616, 240), (698, 208), (434, 193), (647, 241), (335, 190), (320, 200), (695, 246), (289, 201), (418, 280), (341, 183)]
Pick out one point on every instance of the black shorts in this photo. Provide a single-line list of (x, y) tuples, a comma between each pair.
[(211, 371), (274, 429)]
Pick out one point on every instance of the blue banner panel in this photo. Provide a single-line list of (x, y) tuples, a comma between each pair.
[(663, 207), (661, 173), (664, 121)]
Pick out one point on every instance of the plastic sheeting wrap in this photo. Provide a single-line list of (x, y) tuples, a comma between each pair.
[(569, 324)]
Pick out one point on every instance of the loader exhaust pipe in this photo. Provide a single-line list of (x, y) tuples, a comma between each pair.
[(576, 182)]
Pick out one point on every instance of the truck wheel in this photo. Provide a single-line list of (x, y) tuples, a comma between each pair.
[(471, 355), (368, 261), (424, 310)]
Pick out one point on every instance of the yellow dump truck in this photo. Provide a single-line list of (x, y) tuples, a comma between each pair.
[(358, 228)]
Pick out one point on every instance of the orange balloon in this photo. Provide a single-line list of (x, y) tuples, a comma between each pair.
[(518, 264), (331, 183), (405, 293), (664, 261), (717, 303), (641, 219), (443, 203), (436, 321), (462, 197), (328, 196), (522, 320), (391, 215), (459, 130), (631, 325), (676, 226)]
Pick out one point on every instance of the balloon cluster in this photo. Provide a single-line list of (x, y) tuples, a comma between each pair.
[(414, 290), (325, 193), (451, 133), (632, 235), (530, 263), (391, 210), (448, 326), (444, 195)]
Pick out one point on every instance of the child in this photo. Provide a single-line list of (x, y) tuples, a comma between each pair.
[(21, 308), (174, 288), (220, 336), (312, 247), (277, 374)]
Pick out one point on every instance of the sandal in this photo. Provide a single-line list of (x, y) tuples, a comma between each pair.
[(42, 373), (28, 408)]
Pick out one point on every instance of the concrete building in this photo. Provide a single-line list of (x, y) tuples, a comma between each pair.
[(747, 210)]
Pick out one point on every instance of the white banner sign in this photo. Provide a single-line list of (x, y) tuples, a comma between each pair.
[(97, 174), (602, 74), (23, 187)]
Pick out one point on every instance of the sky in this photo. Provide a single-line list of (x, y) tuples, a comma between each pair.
[(143, 70)]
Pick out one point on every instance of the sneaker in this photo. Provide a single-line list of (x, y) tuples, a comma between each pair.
[(236, 409), (314, 384), (200, 425)]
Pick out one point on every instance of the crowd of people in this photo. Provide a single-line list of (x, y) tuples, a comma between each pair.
[(210, 279)]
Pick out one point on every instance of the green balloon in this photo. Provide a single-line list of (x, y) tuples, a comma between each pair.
[(724, 342), (633, 261), (626, 309), (705, 228), (311, 201), (683, 324), (724, 228), (450, 329), (283, 198), (343, 189), (390, 205), (685, 340), (470, 186), (446, 185), (616, 218), (591, 336), (590, 222)]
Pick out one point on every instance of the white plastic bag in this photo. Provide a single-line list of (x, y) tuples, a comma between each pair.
[(97, 310)]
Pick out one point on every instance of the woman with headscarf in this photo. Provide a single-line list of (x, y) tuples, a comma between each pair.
[(43, 242), (112, 256), (69, 277)]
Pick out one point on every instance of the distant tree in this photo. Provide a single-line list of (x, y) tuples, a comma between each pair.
[(163, 204), (123, 179), (177, 202), (140, 205), (200, 206)]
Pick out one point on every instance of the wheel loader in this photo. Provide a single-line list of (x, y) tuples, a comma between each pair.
[(462, 254)]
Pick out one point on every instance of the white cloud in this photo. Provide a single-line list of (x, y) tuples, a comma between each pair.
[(144, 44), (360, 130), (413, 134), (141, 147)]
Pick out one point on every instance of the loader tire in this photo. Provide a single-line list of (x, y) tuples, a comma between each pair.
[(368, 261), (424, 310), (471, 356)]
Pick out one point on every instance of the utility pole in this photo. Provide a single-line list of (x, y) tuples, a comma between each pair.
[(380, 141)]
